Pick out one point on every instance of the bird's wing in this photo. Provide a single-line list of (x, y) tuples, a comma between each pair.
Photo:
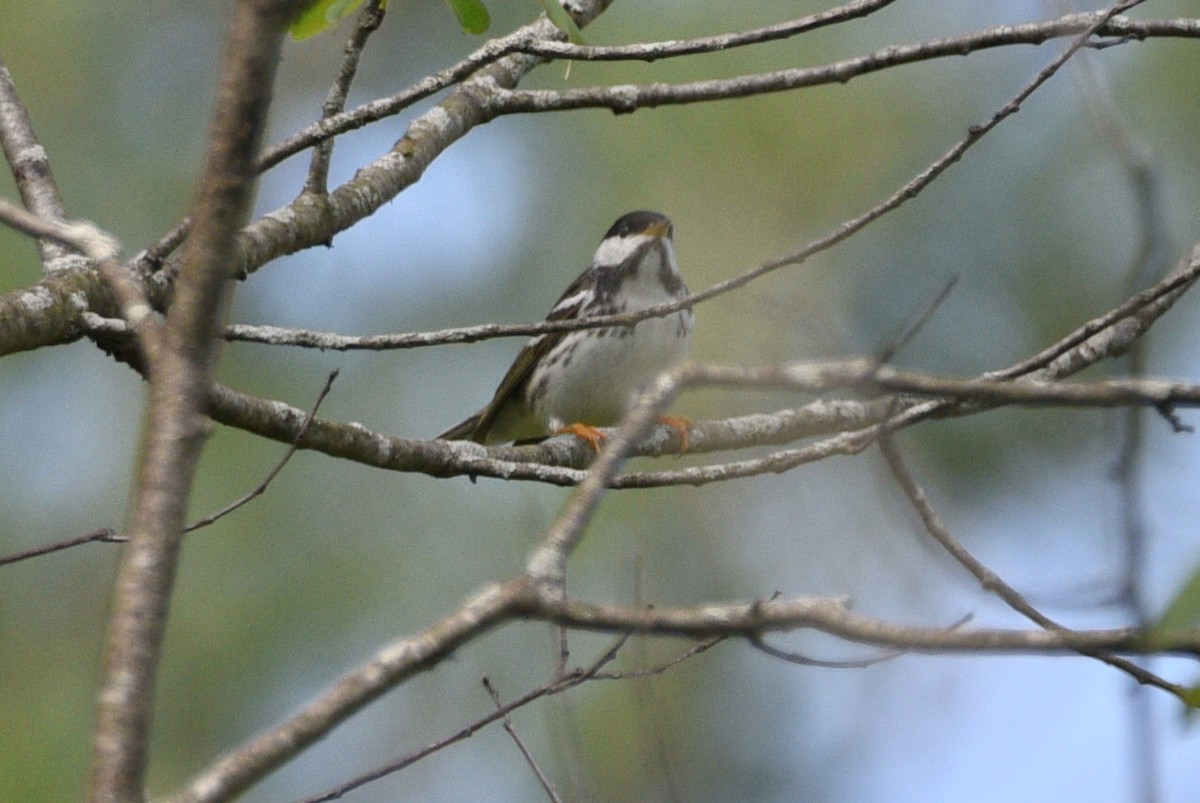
[(568, 307)]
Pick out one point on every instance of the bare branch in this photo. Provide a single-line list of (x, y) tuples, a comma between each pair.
[(104, 536), (1137, 313), (179, 389), (547, 786), (392, 665), (261, 488), (548, 562), (630, 97), (369, 20), (344, 122), (538, 463), (30, 167), (103, 249), (561, 683), (1119, 29), (993, 582), (652, 51), (760, 644), (918, 321), (831, 616), (690, 652), (527, 598)]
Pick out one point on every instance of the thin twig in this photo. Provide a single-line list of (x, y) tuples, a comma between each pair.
[(991, 581), (105, 536), (555, 686), (547, 786), (369, 20), (719, 43), (759, 643), (1117, 30), (918, 321), (261, 488), (691, 652)]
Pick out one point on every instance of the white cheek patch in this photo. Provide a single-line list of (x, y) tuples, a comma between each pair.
[(616, 250)]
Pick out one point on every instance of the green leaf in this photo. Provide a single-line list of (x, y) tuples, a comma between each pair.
[(563, 21), (1182, 613), (322, 15), (472, 15)]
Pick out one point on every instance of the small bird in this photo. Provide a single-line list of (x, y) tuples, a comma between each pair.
[(572, 382)]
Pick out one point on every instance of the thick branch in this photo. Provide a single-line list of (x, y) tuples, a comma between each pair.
[(558, 461), (178, 393)]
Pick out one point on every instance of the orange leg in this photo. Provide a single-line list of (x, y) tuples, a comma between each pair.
[(681, 425), (593, 436)]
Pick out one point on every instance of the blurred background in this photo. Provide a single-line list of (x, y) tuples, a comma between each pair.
[(1039, 222)]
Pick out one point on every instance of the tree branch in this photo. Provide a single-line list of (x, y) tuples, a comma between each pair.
[(102, 249), (240, 768), (179, 384), (369, 20), (30, 166), (628, 98), (521, 41), (1028, 33), (526, 598), (992, 582), (831, 616), (305, 223)]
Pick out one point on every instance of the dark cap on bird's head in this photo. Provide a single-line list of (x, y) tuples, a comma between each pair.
[(641, 222)]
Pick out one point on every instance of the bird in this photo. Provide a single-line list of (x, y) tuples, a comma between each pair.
[(572, 382)]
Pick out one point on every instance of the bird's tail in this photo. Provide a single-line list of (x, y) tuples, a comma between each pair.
[(462, 431)]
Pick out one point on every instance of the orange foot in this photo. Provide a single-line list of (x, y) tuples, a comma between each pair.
[(593, 436), (681, 425)]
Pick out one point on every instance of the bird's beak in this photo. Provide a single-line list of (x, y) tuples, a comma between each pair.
[(660, 229)]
